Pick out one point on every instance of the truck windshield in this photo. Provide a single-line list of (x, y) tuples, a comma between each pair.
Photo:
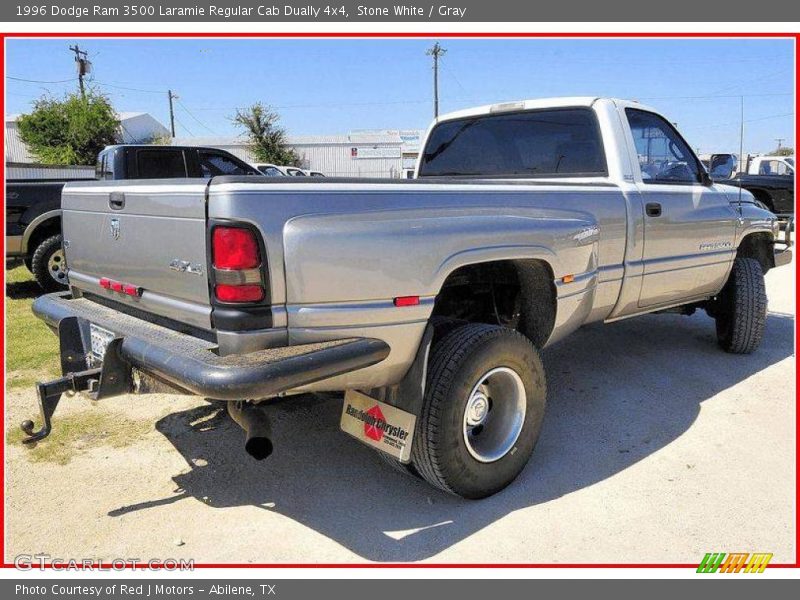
[(541, 143)]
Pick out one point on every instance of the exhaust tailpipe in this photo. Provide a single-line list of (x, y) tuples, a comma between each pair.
[(253, 419)]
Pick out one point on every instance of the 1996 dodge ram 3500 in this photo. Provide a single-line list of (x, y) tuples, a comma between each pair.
[(426, 301)]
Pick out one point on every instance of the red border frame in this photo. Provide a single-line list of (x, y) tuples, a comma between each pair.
[(395, 35)]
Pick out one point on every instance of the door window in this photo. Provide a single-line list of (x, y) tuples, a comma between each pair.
[(664, 157), (774, 167)]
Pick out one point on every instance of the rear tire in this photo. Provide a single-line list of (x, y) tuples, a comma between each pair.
[(741, 311), (48, 265), (482, 412)]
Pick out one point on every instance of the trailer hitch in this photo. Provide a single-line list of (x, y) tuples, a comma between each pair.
[(49, 394)]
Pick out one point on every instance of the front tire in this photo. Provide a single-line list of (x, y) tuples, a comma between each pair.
[(482, 413), (48, 265), (741, 311)]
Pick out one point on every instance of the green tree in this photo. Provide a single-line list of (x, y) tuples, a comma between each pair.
[(783, 151), (267, 141), (71, 131)]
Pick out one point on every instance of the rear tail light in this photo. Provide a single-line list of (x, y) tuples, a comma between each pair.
[(235, 248), (236, 257), (239, 293)]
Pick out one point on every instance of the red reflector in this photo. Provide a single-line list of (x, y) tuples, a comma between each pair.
[(235, 248), (406, 301), (239, 293), (116, 286), (132, 290), (105, 282)]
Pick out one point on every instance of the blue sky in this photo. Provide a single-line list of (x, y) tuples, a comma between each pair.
[(334, 86)]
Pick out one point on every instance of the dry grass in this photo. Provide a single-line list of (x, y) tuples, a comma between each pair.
[(82, 431), (31, 348)]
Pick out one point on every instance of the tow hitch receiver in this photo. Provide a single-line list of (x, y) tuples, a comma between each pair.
[(49, 395), (101, 377)]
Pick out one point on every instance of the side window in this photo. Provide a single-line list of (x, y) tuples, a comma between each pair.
[(774, 167), (213, 164), (663, 155), (160, 164)]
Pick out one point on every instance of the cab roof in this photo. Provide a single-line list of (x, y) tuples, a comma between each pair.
[(537, 103)]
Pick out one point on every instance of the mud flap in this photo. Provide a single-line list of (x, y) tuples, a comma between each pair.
[(377, 424)]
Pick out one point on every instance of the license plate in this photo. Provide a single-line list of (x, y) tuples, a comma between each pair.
[(378, 424), (100, 339)]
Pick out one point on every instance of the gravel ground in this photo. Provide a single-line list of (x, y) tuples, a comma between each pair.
[(657, 447)]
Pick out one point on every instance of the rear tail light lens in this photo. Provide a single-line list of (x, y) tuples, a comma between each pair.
[(239, 293), (235, 248), (236, 257)]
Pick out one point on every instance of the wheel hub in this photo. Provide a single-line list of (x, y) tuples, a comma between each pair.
[(494, 414), (56, 266), (477, 408)]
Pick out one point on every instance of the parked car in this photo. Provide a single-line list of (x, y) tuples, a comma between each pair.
[(33, 208), (271, 170), (428, 301), (295, 172), (769, 178)]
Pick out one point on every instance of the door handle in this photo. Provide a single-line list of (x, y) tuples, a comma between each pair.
[(116, 200), (652, 209)]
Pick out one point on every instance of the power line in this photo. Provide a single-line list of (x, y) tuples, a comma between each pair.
[(198, 121), (131, 89), (189, 131), (39, 80)]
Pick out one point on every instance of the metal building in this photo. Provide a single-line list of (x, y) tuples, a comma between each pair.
[(358, 154)]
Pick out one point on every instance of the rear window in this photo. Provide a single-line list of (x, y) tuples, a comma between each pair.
[(542, 143), (160, 164)]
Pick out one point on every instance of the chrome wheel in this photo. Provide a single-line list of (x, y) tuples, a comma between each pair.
[(57, 267), (494, 415)]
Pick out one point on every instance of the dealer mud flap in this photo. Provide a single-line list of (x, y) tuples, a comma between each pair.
[(101, 348), (385, 418)]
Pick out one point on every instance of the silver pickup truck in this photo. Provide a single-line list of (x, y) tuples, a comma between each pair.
[(427, 302)]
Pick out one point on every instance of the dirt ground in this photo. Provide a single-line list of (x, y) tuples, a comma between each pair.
[(657, 447)]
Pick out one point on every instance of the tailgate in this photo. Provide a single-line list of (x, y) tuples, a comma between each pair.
[(150, 234)]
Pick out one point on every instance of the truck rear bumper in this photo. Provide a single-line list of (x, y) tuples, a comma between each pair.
[(783, 257), (191, 363)]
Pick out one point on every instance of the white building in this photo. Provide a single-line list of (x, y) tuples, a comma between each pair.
[(135, 128), (382, 154)]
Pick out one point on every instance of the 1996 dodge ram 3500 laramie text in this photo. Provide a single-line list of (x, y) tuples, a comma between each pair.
[(426, 301)]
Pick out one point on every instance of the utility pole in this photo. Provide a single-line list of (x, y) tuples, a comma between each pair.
[(83, 65), (436, 52), (171, 111), (780, 143)]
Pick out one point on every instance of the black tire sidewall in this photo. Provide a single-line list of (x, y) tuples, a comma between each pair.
[(464, 474), (39, 264)]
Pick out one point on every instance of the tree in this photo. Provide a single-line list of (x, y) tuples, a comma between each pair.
[(267, 141), (783, 151), (71, 131)]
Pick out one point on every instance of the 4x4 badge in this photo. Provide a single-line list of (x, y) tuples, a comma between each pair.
[(115, 229)]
